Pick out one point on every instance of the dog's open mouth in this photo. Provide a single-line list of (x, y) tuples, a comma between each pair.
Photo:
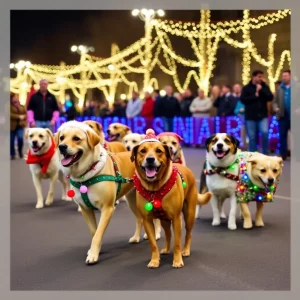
[(37, 148), (113, 137), (220, 153), (151, 171), (69, 160)]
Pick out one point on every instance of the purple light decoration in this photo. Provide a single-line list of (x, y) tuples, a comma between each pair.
[(217, 124), (235, 129), (184, 128), (158, 125), (139, 125), (204, 131)]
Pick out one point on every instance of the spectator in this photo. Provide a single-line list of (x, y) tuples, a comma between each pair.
[(104, 109), (119, 109), (201, 105), (214, 94), (18, 122), (178, 96), (225, 103), (43, 110), (185, 103), (148, 106), (277, 84), (91, 109), (167, 107), (156, 95), (282, 108), (257, 97), (70, 110), (134, 106), (240, 111)]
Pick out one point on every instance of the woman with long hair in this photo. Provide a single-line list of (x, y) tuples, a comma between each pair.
[(18, 121)]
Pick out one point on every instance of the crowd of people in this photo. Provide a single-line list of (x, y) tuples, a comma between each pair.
[(254, 103)]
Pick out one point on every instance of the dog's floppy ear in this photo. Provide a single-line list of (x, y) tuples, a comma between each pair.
[(234, 141), (49, 132), (133, 153), (208, 141), (127, 129), (168, 153), (252, 160), (56, 138), (26, 133), (280, 160), (93, 138), (99, 127)]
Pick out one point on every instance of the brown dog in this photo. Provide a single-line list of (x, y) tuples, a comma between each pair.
[(157, 178), (117, 131), (113, 147)]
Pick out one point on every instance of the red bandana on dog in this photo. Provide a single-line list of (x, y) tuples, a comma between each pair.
[(43, 159)]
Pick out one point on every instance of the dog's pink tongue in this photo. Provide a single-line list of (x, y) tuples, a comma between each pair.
[(112, 137), (66, 160), (220, 154), (150, 172)]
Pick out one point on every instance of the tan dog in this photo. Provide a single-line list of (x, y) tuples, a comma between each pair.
[(84, 159), (117, 131), (131, 140), (263, 171), (172, 140), (44, 164), (155, 169), (113, 147)]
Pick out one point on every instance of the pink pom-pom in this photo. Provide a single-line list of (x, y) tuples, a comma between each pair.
[(83, 189), (150, 131), (68, 176)]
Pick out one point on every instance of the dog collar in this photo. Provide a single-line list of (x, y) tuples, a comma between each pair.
[(247, 191), (222, 170), (155, 198)]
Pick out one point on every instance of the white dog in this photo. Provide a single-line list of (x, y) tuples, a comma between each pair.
[(43, 163), (222, 172), (132, 139)]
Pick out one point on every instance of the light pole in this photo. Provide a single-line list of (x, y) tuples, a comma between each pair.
[(147, 15), (82, 50)]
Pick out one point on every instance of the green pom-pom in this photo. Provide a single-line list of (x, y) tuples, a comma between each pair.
[(184, 185), (272, 188), (81, 177), (256, 188), (148, 206), (232, 167)]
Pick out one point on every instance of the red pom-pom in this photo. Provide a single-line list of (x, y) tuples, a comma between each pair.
[(71, 193), (157, 203)]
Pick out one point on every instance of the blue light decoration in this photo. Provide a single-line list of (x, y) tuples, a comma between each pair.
[(192, 130), (259, 197), (245, 177), (68, 104), (235, 129), (184, 128)]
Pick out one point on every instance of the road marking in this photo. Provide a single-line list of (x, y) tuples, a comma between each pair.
[(276, 196)]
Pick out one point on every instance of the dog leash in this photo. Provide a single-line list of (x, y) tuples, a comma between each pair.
[(222, 171), (118, 179)]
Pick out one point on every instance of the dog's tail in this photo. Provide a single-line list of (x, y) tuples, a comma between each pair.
[(203, 187), (203, 199)]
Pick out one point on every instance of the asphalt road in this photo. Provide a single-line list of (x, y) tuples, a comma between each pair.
[(48, 246)]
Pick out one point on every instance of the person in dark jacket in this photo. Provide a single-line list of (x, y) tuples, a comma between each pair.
[(226, 103), (186, 103), (43, 110), (167, 107), (70, 110), (91, 110), (257, 97)]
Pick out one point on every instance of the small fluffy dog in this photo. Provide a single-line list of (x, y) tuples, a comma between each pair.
[(263, 172), (113, 147), (221, 175), (43, 162), (117, 131), (172, 189), (131, 140), (172, 140), (88, 164)]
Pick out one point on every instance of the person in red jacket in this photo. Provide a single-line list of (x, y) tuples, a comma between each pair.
[(148, 107)]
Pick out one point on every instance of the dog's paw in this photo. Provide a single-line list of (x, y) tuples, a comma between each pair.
[(92, 257), (259, 223), (157, 236), (247, 224), (178, 264), (145, 237), (165, 251), (216, 222), (186, 252), (223, 216), (153, 264), (134, 240), (49, 201), (66, 198), (39, 205), (232, 226), (117, 202)]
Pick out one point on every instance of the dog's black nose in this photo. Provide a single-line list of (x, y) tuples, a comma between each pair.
[(34, 143), (62, 148), (150, 159), (219, 146), (128, 148), (270, 180), (108, 131)]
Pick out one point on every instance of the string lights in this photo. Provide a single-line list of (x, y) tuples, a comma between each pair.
[(156, 50)]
